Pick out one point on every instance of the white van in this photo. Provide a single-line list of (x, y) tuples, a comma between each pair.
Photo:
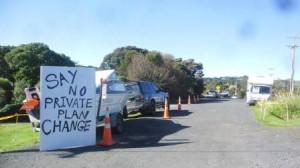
[(115, 101), (258, 88)]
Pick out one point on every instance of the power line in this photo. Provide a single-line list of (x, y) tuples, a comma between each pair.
[(293, 49)]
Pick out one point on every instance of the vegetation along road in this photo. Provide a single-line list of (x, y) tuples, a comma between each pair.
[(214, 133)]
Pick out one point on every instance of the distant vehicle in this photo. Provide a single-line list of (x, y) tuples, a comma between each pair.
[(115, 101), (225, 94), (213, 94), (258, 88), (234, 97), (144, 97)]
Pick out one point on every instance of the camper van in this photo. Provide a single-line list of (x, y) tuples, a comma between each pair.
[(258, 88), (114, 101)]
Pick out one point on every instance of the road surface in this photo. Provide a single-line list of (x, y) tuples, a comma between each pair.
[(214, 133)]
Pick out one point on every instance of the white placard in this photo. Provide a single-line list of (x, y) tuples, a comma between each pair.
[(68, 112)]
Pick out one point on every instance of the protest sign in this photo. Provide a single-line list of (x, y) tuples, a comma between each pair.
[(68, 113)]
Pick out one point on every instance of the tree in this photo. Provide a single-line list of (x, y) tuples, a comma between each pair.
[(114, 59), (24, 63), (4, 70), (178, 77), (5, 91)]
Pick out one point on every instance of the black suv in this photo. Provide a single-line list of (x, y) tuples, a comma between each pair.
[(144, 97)]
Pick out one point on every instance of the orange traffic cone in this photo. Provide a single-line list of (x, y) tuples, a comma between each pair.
[(189, 100), (107, 139), (166, 111), (179, 104)]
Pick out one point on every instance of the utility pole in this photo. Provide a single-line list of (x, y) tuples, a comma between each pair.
[(293, 48)]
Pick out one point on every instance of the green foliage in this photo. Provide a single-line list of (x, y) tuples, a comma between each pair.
[(114, 59), (9, 109), (2, 98), (5, 91), (4, 70), (21, 65), (272, 120), (25, 60), (19, 93), (285, 105), (178, 77), (282, 111), (5, 84), (154, 57)]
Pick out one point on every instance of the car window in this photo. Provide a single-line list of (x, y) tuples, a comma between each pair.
[(255, 89), (116, 87), (264, 89), (154, 87), (146, 88), (133, 88)]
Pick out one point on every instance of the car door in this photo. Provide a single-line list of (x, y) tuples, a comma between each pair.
[(156, 94), (116, 97), (135, 99)]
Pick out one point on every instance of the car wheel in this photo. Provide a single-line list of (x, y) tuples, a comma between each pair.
[(152, 108), (118, 128), (125, 112)]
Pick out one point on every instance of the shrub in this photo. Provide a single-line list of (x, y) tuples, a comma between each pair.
[(19, 93), (5, 91), (9, 109), (2, 98), (5, 84)]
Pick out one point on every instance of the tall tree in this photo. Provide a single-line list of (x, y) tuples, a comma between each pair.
[(179, 77), (24, 62), (4, 70)]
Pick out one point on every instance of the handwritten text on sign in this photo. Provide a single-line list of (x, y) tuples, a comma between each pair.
[(67, 107)]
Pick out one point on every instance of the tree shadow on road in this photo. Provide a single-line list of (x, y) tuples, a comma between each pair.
[(213, 100)]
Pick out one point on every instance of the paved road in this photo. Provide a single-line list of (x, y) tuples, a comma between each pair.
[(210, 134)]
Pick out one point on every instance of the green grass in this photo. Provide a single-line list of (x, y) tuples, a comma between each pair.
[(17, 136), (273, 120)]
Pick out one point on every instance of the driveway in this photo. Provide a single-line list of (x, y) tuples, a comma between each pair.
[(214, 133)]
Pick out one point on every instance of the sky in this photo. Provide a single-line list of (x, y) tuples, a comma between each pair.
[(229, 37)]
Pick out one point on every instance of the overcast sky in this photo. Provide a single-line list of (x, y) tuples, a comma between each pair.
[(230, 37)]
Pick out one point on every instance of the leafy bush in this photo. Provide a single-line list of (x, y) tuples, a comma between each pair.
[(5, 84), (2, 98), (5, 91), (19, 93), (9, 109)]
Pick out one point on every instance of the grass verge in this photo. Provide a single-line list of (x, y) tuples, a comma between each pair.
[(273, 120), (17, 136)]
